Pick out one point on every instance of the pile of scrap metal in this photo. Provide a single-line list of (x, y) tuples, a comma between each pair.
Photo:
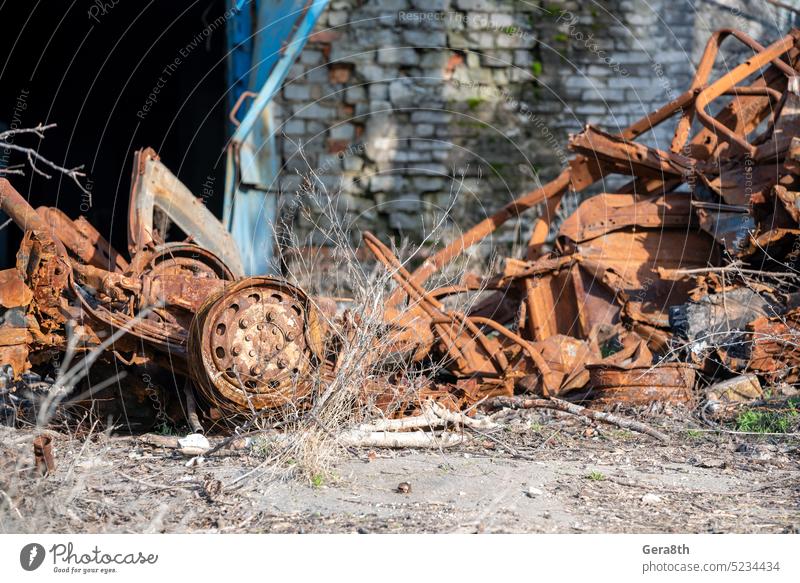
[(176, 310), (685, 274)]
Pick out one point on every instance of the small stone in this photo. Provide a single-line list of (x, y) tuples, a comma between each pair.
[(195, 462), (404, 488), (194, 440), (651, 499)]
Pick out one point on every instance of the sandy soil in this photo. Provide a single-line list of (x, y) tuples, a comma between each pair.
[(538, 473)]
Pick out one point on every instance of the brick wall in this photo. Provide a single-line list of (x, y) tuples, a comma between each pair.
[(402, 109)]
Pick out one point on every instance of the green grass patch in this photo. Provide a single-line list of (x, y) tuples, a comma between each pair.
[(474, 102), (595, 476), (554, 9), (757, 421), (165, 428)]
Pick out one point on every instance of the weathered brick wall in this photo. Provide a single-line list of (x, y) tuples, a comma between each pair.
[(400, 107)]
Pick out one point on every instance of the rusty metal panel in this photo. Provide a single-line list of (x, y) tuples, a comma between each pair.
[(604, 213), (666, 383), (82, 239), (774, 351), (620, 262), (13, 291), (155, 187)]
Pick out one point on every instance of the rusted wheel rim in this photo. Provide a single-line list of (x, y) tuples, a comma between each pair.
[(185, 259), (258, 345)]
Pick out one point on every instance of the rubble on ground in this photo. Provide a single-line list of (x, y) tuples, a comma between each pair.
[(683, 279)]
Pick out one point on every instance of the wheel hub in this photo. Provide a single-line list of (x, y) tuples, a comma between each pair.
[(259, 344)]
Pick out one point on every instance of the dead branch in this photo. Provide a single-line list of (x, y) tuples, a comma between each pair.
[(757, 433), (552, 403), (150, 484), (34, 157), (732, 268), (394, 439), (166, 441), (433, 416), (393, 432)]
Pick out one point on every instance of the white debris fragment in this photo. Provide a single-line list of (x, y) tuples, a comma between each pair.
[(651, 499)]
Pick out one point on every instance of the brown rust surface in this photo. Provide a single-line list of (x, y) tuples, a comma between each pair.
[(667, 383), (256, 345), (259, 342)]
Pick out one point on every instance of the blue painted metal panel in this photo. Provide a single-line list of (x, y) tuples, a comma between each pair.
[(282, 28), (240, 48)]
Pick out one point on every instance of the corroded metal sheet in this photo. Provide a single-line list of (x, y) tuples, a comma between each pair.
[(155, 187), (667, 383), (688, 216)]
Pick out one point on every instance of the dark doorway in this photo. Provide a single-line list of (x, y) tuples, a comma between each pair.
[(115, 76)]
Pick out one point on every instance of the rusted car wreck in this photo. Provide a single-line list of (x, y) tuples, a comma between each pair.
[(684, 276)]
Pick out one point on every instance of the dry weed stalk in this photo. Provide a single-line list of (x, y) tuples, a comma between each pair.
[(343, 408), (33, 503)]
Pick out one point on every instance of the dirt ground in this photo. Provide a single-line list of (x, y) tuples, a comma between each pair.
[(539, 472)]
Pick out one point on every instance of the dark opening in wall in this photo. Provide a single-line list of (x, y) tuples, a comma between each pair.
[(115, 76)]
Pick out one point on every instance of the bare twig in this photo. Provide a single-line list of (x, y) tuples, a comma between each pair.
[(150, 484), (733, 267), (552, 403), (630, 483), (394, 439), (758, 433), (34, 157)]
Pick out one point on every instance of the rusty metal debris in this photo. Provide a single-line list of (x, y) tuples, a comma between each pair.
[(43, 454), (686, 274), (256, 345), (720, 203)]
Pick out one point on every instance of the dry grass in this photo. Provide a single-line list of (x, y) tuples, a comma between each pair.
[(363, 286), (299, 443)]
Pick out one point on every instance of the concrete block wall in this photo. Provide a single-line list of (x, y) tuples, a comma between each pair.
[(405, 111)]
